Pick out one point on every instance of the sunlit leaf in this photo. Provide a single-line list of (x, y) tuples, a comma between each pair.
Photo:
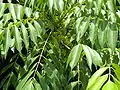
[(61, 4), (28, 85), (12, 11), (117, 67), (117, 74), (116, 82), (99, 82), (25, 36), (1, 35), (95, 76), (2, 8), (50, 2), (99, 5), (113, 17), (37, 85), (78, 23), (32, 3), (110, 86), (7, 40), (82, 29), (102, 37), (38, 28), (96, 59), (33, 33), (93, 33), (56, 4), (110, 4), (19, 11), (112, 38), (18, 39), (74, 56), (28, 11), (88, 55), (6, 17)]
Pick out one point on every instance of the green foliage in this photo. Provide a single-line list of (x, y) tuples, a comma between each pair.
[(60, 45), (110, 86)]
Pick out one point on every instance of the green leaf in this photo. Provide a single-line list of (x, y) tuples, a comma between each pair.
[(7, 40), (117, 67), (99, 82), (42, 81), (112, 36), (73, 74), (1, 35), (111, 5), (2, 9), (78, 23), (56, 4), (102, 36), (110, 86), (32, 61), (18, 40), (95, 76), (99, 5), (50, 2), (113, 17), (96, 59), (8, 82), (61, 5), (38, 28), (3, 81), (19, 9), (37, 85), (112, 8), (72, 85), (82, 28), (93, 33), (6, 17), (90, 4), (33, 33), (12, 11), (74, 56), (25, 2), (28, 85), (116, 82), (88, 55), (32, 3), (5, 68), (117, 73), (28, 11), (25, 36), (23, 81)]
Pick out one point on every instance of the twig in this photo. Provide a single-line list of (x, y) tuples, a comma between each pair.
[(40, 56), (65, 45)]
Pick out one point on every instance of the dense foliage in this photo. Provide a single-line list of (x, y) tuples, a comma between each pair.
[(60, 45)]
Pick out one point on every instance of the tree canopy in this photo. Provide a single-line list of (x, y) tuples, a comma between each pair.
[(60, 45)]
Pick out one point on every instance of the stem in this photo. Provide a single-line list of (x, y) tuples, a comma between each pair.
[(40, 56), (65, 45), (78, 75), (109, 72), (111, 59)]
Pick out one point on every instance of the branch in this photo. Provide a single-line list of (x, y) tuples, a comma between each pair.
[(40, 56)]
